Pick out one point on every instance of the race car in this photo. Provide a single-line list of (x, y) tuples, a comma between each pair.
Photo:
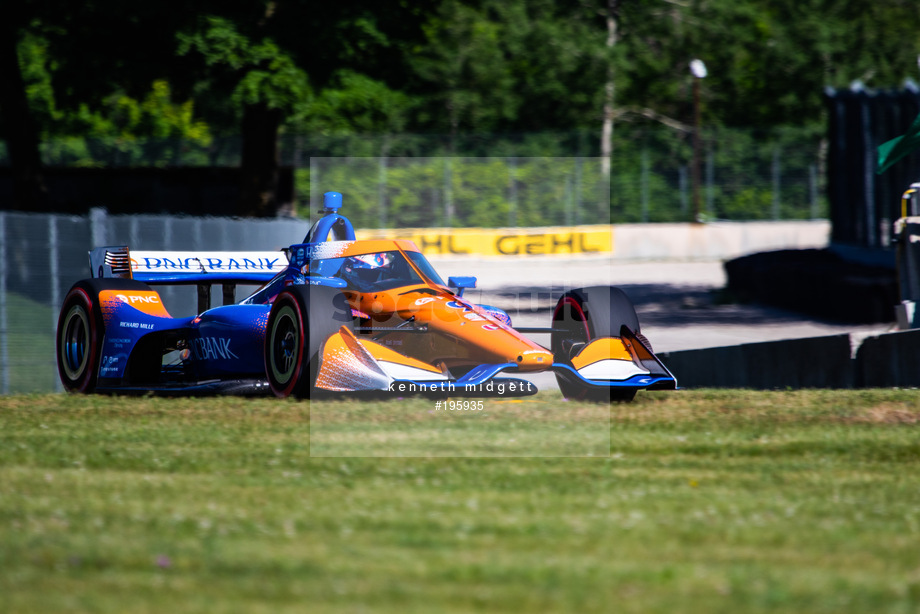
[(335, 314)]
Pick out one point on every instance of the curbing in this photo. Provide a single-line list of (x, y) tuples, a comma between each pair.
[(889, 360)]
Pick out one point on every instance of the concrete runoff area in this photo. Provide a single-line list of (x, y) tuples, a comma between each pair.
[(705, 342)]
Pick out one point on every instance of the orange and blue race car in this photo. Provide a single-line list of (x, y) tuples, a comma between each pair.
[(335, 314)]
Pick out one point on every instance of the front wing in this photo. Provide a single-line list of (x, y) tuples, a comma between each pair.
[(348, 364), (618, 362)]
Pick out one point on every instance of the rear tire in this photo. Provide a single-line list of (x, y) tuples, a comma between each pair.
[(300, 321), (79, 341), (81, 331), (584, 315)]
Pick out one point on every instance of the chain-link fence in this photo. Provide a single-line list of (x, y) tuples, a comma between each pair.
[(453, 192), (745, 174)]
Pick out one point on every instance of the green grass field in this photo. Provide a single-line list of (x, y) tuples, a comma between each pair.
[(30, 345), (704, 501)]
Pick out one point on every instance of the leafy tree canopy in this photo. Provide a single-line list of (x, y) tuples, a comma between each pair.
[(456, 65), (198, 69)]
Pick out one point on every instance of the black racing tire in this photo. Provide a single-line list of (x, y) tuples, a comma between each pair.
[(581, 316), (81, 331), (300, 321)]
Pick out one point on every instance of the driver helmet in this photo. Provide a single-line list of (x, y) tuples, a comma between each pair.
[(354, 265), (370, 261)]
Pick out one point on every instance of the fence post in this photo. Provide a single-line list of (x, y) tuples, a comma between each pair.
[(813, 190), (134, 238), (298, 152), (776, 182), (314, 195), (578, 189), (710, 180), (167, 232), (568, 200), (448, 195), (512, 192), (4, 350), (643, 185), (682, 190), (382, 190), (54, 274), (98, 226)]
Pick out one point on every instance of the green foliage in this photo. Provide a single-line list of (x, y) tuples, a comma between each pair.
[(493, 65), (352, 104), (140, 130), (262, 72), (150, 131), (156, 116), (464, 66), (769, 62), (368, 78), (37, 66), (465, 56)]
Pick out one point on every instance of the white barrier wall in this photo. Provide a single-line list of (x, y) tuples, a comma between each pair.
[(624, 243), (715, 240)]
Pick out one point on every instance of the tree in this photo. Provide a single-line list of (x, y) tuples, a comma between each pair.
[(509, 66), (266, 85), (97, 48), (769, 61), (209, 67), (18, 126), (264, 70)]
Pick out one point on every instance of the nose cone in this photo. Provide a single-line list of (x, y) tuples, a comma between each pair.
[(534, 360)]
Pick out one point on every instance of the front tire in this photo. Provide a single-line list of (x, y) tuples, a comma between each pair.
[(300, 321), (582, 316)]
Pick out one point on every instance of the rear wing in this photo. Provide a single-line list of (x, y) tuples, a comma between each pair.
[(156, 267), (189, 268)]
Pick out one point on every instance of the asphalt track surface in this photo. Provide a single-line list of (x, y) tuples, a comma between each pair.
[(680, 304)]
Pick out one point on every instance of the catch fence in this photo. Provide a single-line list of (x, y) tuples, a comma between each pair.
[(744, 174)]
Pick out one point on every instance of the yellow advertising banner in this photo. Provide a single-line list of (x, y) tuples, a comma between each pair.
[(551, 241)]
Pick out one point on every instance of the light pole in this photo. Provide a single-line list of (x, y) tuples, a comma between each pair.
[(698, 69)]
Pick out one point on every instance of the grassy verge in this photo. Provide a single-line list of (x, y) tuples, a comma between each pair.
[(709, 501), (30, 345), (538, 426)]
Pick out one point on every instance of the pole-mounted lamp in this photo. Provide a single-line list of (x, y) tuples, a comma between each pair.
[(698, 69)]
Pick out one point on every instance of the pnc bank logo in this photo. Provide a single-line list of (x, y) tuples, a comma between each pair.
[(144, 299)]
